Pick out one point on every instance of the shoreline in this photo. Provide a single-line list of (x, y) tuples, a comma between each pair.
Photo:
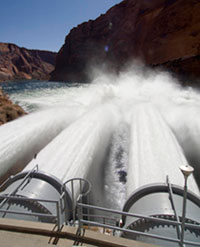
[(8, 110)]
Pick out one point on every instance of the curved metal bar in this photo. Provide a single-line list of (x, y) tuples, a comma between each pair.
[(80, 179), (158, 187)]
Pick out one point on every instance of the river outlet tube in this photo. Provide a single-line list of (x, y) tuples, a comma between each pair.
[(76, 152), (155, 157)]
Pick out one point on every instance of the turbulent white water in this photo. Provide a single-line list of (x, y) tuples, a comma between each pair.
[(154, 151), (20, 140), (79, 150), (116, 168), (151, 107)]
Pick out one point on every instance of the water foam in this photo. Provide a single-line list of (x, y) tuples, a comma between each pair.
[(178, 106), (154, 151), (23, 138), (79, 150)]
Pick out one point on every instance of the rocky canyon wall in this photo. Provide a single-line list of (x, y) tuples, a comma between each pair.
[(22, 63), (158, 32)]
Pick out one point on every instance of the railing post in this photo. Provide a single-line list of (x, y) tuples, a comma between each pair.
[(186, 170), (58, 214), (73, 202), (79, 208), (82, 183), (65, 211)]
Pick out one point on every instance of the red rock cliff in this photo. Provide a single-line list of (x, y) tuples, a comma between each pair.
[(21, 63), (159, 32)]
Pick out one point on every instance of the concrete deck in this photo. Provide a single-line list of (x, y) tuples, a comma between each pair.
[(18, 233)]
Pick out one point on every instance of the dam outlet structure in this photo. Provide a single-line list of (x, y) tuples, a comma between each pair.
[(81, 156), (157, 210), (152, 155), (35, 196)]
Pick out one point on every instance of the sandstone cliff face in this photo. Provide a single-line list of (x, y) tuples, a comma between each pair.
[(158, 32), (8, 110), (21, 63)]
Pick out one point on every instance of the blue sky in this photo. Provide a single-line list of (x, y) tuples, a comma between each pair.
[(43, 24)]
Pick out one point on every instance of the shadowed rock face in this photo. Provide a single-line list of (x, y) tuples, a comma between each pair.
[(8, 110), (158, 32), (21, 63)]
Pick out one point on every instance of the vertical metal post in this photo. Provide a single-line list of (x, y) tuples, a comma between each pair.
[(183, 212), (81, 192), (186, 170), (65, 208), (104, 224), (79, 218), (88, 211), (178, 227), (73, 202), (76, 199), (58, 214)]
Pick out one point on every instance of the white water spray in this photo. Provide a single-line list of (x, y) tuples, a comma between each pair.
[(154, 151), (115, 174), (126, 92), (20, 140), (79, 150)]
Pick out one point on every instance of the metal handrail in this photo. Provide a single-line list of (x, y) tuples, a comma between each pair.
[(159, 220), (28, 199), (55, 216), (150, 218), (27, 213), (81, 194), (171, 198), (81, 180), (35, 168), (9, 178), (138, 233), (101, 216)]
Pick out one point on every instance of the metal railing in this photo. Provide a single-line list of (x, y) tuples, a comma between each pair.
[(61, 215), (12, 196), (54, 217), (26, 178), (81, 212), (82, 221), (84, 190), (105, 219)]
